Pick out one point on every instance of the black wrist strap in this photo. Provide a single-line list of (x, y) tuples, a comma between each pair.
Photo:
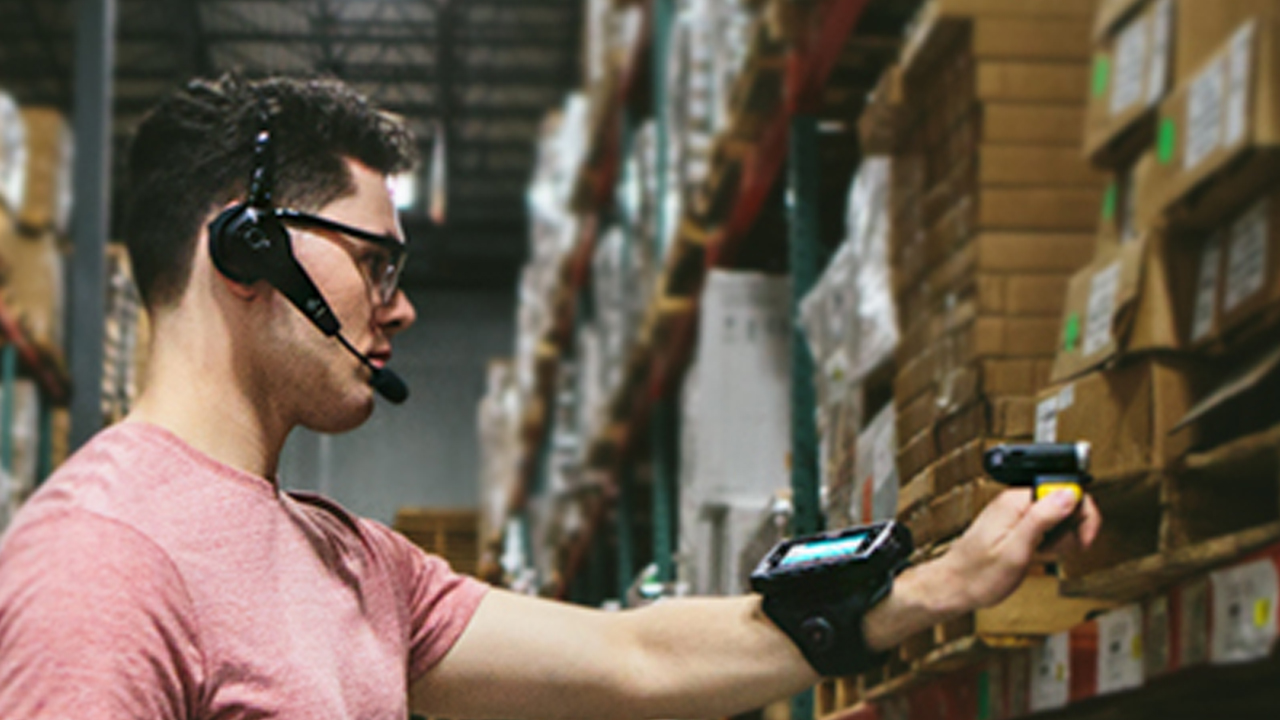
[(829, 631)]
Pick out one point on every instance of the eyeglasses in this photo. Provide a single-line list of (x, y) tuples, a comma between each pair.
[(381, 268)]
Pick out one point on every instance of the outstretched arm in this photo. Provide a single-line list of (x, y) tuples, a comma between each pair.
[(522, 657)]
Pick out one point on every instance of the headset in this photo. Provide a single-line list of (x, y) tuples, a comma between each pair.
[(248, 242)]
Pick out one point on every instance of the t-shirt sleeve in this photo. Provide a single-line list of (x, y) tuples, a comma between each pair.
[(440, 602), (95, 621)]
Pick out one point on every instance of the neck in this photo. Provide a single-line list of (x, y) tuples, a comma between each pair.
[(194, 391)]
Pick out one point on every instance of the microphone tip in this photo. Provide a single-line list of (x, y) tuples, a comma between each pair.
[(389, 385)]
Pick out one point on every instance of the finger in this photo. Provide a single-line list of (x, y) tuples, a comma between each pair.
[(1043, 516), (1090, 523)]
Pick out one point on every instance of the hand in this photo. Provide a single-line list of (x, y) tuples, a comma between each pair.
[(993, 556)]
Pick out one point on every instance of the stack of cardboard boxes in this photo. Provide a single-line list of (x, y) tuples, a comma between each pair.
[(993, 208), (1182, 293)]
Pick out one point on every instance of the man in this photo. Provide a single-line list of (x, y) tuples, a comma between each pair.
[(161, 573)]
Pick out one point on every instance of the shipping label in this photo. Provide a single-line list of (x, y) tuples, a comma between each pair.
[(1244, 612), (1193, 623), (1130, 67), (1204, 113), (1051, 673), (1158, 67), (1240, 63), (1067, 397), (1102, 308), (1202, 320), (1120, 664), (1247, 256), (1047, 420)]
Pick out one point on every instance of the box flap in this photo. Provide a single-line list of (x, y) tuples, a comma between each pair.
[(1233, 387), (1111, 14)]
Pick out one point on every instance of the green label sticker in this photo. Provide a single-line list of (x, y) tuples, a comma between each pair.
[(1071, 332), (1110, 203), (1167, 142), (984, 695), (1101, 74)]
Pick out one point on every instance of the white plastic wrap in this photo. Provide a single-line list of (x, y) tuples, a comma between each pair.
[(13, 154)]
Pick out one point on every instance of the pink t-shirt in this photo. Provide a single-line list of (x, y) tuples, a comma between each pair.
[(146, 580)]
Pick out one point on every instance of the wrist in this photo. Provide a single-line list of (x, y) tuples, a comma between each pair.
[(922, 596)]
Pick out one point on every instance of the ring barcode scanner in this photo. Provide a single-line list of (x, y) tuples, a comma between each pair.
[(1046, 468)]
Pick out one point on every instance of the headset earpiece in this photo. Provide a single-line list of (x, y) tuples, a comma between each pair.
[(238, 244)]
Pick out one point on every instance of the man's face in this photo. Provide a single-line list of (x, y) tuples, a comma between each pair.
[(332, 391)]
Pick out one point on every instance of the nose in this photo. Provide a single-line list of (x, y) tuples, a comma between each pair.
[(396, 315)]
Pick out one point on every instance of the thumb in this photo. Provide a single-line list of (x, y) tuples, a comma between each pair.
[(1043, 516)]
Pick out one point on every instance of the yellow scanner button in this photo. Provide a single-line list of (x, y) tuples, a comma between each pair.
[(1047, 489)]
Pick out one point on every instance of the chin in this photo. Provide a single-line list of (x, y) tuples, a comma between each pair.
[(342, 416)]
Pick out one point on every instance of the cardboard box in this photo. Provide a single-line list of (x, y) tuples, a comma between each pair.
[(916, 376), (32, 284), (1012, 418), (1029, 165), (50, 150), (876, 474), (941, 22), (1125, 302), (1219, 133), (999, 253), (1127, 413), (1022, 295), (1132, 72), (1065, 83), (1239, 273), (1018, 123)]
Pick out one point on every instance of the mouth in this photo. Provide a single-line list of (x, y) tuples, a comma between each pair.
[(379, 358)]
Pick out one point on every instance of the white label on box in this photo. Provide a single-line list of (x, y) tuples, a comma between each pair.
[(1240, 63), (1120, 650), (1102, 308), (1247, 256), (1207, 288), (1130, 68), (1051, 673), (1204, 113), (1244, 612), (1047, 420), (1156, 645), (1067, 397), (1193, 623), (1158, 67)]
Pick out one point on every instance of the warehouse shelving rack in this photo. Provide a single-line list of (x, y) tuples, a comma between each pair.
[(19, 354)]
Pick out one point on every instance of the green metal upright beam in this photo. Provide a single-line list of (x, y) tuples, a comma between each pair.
[(666, 470), (626, 530), (8, 375), (662, 424), (806, 263), (664, 15)]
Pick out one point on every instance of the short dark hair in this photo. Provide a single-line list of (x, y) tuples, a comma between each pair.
[(193, 153)]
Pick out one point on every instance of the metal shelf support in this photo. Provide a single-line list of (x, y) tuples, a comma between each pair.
[(8, 376), (806, 263)]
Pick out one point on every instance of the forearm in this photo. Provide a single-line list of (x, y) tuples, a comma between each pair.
[(713, 657)]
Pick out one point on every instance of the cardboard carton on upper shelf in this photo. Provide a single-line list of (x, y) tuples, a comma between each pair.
[(1218, 142), (31, 283), (1132, 298), (999, 28), (47, 205), (1238, 274), (1127, 413)]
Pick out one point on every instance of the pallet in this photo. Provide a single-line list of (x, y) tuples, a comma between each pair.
[(1217, 507)]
